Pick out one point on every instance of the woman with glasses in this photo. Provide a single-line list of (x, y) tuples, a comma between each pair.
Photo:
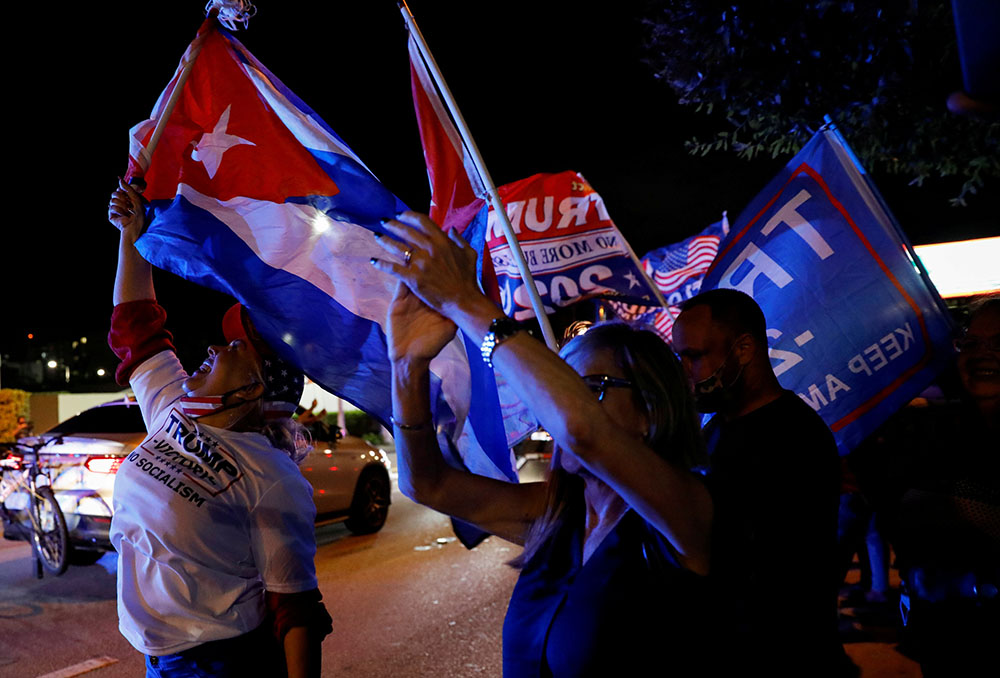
[(617, 539)]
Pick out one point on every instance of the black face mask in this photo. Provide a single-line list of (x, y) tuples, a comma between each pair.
[(710, 394)]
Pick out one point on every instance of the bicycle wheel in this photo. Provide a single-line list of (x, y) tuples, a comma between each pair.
[(49, 536)]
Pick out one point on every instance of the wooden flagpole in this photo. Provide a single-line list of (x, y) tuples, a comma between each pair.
[(484, 175), (190, 55)]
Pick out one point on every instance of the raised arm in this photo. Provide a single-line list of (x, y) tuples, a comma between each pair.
[(441, 272), (134, 277), (416, 335)]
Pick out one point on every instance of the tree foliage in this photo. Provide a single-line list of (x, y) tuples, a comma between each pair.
[(773, 68), (13, 404)]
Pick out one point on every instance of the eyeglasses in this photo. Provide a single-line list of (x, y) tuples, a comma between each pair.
[(968, 344), (600, 383)]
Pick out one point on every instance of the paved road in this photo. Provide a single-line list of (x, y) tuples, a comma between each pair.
[(407, 602)]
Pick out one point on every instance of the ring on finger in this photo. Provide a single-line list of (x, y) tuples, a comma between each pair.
[(407, 255)]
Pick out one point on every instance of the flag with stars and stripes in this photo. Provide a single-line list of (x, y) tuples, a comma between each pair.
[(677, 270)]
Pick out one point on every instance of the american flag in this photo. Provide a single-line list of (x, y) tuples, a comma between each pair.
[(677, 271), (671, 267), (657, 318)]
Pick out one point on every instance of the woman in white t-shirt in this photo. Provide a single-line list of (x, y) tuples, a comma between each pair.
[(213, 521)]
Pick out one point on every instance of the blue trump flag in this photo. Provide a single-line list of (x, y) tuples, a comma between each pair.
[(252, 194), (856, 328)]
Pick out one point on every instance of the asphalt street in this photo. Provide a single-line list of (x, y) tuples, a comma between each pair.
[(407, 601)]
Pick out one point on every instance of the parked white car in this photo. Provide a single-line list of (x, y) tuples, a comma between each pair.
[(349, 477)]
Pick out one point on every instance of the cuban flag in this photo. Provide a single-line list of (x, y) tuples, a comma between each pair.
[(856, 328), (457, 192), (252, 194), (677, 270), (499, 420)]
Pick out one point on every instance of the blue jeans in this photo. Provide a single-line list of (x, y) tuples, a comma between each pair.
[(252, 654), (181, 666), (858, 532)]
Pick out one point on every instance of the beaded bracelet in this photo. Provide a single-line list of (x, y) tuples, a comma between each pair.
[(408, 427)]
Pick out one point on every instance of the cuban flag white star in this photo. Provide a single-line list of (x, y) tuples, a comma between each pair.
[(211, 147)]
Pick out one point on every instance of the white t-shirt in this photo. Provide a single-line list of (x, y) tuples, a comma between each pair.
[(205, 520)]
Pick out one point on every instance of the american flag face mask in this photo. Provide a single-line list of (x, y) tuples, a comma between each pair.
[(197, 407)]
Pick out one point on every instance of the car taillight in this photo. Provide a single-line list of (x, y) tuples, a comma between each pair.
[(13, 462), (103, 464)]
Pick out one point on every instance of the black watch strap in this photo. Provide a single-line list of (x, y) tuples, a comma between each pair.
[(501, 329)]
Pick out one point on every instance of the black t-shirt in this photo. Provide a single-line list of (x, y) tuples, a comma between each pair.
[(943, 490), (775, 484)]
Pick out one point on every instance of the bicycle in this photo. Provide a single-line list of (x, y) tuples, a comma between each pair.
[(24, 476)]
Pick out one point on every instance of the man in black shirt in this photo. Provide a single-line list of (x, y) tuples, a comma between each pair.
[(775, 484)]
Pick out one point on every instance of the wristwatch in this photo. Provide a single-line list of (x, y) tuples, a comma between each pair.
[(501, 329)]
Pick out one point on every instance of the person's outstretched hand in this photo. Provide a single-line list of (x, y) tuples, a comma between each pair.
[(438, 267), (126, 211), (415, 331)]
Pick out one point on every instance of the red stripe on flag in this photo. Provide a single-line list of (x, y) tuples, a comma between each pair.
[(453, 191)]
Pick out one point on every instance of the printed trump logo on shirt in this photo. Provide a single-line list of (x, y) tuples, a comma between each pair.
[(181, 456)]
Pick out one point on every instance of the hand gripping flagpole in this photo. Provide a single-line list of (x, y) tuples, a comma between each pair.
[(484, 175)]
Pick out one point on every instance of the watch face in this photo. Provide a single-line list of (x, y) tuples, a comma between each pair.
[(500, 329), (503, 327)]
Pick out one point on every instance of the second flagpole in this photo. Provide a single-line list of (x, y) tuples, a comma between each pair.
[(515, 247)]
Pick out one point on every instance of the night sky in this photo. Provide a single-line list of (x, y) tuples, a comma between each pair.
[(544, 86)]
